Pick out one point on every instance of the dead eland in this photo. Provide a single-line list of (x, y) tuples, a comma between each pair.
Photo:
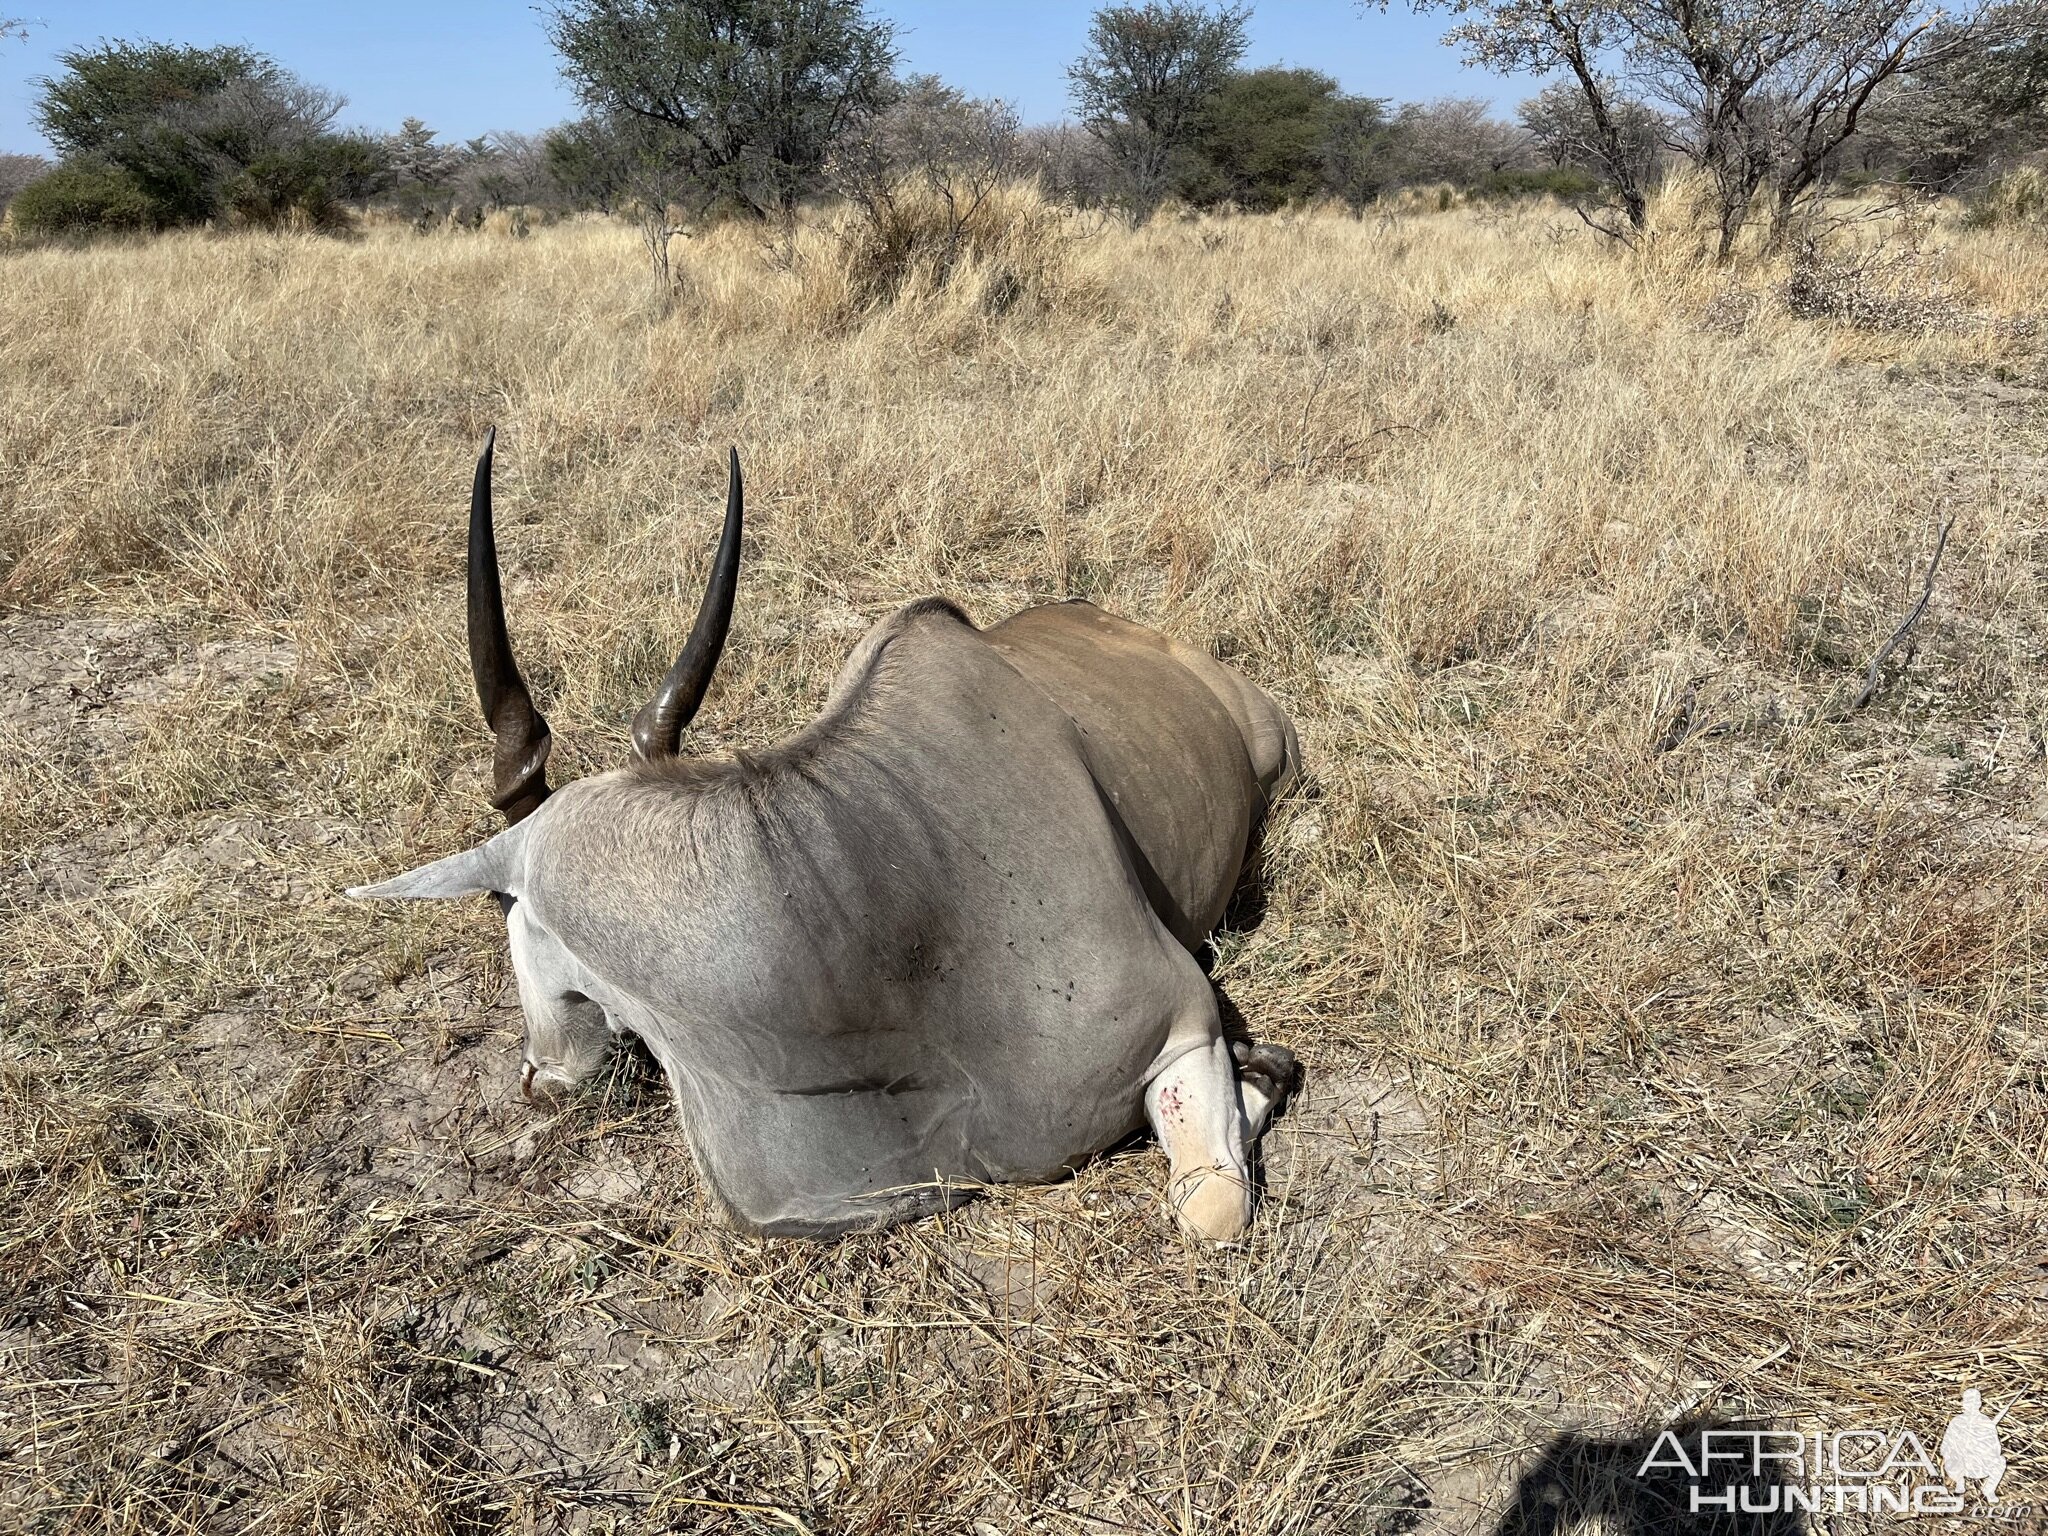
[(944, 935)]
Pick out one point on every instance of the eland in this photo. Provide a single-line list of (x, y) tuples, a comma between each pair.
[(946, 935)]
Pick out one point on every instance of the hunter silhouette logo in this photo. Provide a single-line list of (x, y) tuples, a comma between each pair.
[(1969, 1449)]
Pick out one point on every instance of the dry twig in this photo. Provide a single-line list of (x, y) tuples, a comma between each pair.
[(1873, 680)]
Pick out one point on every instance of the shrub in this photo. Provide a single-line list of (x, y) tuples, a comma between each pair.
[(304, 184), (83, 198), (16, 172), (516, 221), (932, 185), (2017, 198), (1260, 139), (1455, 139), (1875, 290), (1012, 240), (201, 133), (1567, 183)]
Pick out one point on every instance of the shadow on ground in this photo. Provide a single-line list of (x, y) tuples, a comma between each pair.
[(1585, 1483)]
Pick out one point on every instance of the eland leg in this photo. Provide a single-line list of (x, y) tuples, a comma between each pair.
[(567, 1034), (1265, 1076), (1196, 1112)]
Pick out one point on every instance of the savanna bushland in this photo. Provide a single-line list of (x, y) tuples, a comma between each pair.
[(1669, 979)]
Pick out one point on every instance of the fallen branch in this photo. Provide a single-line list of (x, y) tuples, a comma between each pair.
[(774, 1512), (1679, 731), (1305, 462), (1872, 682), (1628, 239), (1686, 726)]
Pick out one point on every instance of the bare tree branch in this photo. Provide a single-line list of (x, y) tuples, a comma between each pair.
[(1873, 681)]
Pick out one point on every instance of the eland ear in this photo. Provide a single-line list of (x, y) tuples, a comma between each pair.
[(493, 867)]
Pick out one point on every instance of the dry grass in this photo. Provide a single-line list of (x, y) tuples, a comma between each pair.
[(1710, 1080)]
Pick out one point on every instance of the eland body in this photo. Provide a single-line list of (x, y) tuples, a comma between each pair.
[(943, 936)]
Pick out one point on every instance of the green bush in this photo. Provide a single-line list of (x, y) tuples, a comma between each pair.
[(199, 134), (305, 183), (81, 199), (1565, 182), (1260, 140)]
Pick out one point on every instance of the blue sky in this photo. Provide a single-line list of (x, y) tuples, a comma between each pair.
[(470, 66)]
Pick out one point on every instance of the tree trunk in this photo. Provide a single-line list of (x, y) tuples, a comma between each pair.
[(1784, 208), (1735, 189), (1732, 208), (656, 231), (1635, 205)]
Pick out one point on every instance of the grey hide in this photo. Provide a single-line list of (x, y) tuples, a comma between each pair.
[(943, 936)]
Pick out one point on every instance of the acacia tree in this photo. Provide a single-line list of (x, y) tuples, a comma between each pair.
[(1557, 118), (1970, 110), (512, 170), (16, 172), (1530, 36), (748, 97), (1761, 93), (934, 140), (200, 132), (624, 164), (1454, 138), (1354, 160), (1146, 82), (417, 156), (1261, 137), (1068, 162), (589, 163), (920, 176)]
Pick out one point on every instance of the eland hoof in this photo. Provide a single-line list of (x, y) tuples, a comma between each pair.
[(1211, 1205)]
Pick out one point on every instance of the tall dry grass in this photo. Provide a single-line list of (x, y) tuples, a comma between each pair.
[(1704, 1079)]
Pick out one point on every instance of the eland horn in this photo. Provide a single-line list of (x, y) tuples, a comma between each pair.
[(519, 763), (658, 728)]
